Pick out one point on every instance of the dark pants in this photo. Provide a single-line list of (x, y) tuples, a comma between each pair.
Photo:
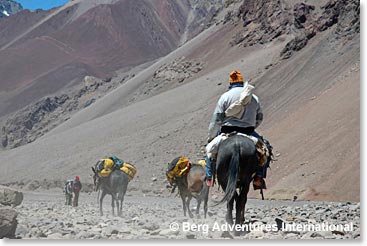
[(76, 198)]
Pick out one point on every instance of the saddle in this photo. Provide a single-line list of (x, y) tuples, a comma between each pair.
[(262, 151)]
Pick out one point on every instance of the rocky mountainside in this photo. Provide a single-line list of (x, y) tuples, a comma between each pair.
[(164, 109), (36, 119), (266, 20), (9, 7), (115, 35), (76, 56)]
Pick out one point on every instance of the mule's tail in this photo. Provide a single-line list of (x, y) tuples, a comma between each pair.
[(232, 176)]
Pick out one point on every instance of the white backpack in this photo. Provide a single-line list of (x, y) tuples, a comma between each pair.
[(237, 108)]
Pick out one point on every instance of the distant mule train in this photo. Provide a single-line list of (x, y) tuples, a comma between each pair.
[(236, 155), (237, 162)]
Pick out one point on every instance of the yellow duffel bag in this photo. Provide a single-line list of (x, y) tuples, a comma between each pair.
[(129, 169), (107, 167), (105, 173), (182, 165)]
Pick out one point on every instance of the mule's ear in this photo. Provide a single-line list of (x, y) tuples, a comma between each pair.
[(94, 170)]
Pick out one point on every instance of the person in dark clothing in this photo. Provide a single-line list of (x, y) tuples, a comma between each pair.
[(77, 186)]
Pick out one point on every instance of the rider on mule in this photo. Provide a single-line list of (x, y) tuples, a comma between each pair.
[(246, 123)]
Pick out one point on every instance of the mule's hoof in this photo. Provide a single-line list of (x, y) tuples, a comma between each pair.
[(229, 221)]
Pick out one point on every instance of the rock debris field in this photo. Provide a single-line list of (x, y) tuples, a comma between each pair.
[(43, 215)]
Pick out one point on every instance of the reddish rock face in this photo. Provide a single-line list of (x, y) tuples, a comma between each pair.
[(42, 52)]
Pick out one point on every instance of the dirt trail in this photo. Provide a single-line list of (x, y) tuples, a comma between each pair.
[(44, 215)]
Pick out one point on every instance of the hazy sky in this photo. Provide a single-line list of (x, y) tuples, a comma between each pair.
[(41, 4)]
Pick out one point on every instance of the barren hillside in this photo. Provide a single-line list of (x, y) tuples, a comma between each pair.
[(305, 66), (44, 52)]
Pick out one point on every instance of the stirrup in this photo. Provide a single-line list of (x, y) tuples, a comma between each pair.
[(261, 186)]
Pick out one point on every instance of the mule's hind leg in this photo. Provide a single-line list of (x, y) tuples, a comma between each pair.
[(113, 203), (188, 206), (241, 203), (206, 198), (121, 196), (117, 205), (183, 198), (101, 201), (198, 207), (119, 209), (229, 215)]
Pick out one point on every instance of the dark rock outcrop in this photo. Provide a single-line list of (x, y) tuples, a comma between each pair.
[(263, 21), (295, 44), (169, 76), (266, 20), (10, 197), (302, 14), (8, 222), (33, 121), (343, 13)]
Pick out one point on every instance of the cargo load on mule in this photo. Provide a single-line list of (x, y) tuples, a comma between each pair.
[(107, 165)]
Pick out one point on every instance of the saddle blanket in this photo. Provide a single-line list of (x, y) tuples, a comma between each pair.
[(261, 149)]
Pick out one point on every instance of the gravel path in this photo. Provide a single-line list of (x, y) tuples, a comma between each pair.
[(44, 215)]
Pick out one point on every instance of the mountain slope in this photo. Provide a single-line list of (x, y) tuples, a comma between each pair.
[(113, 36), (310, 100)]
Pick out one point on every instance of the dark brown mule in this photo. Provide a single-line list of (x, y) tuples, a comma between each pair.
[(191, 184), (237, 163)]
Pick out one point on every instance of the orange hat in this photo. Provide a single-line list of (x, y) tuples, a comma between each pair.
[(235, 77)]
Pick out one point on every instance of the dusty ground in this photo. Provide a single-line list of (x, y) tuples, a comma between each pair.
[(43, 215)]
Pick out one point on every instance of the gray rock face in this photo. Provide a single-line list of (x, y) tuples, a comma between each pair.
[(263, 21), (170, 75), (36, 119), (266, 20), (10, 197), (8, 222)]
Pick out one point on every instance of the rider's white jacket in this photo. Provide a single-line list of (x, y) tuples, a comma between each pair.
[(252, 116)]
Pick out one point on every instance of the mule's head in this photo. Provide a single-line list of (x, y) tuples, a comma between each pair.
[(170, 173), (96, 179)]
